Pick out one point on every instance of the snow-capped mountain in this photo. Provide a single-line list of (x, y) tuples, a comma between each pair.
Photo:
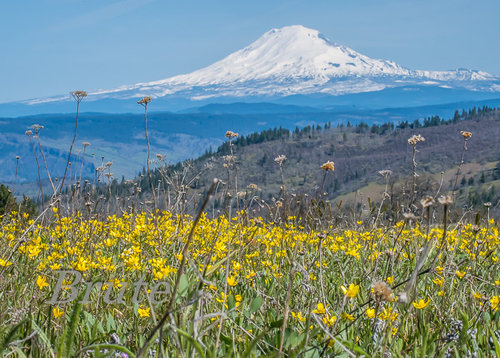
[(293, 60)]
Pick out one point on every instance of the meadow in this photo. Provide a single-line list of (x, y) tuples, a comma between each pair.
[(299, 277)]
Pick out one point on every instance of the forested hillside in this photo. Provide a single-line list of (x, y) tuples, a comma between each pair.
[(359, 152)]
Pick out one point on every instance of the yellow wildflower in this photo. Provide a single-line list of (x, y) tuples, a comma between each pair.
[(347, 316), (143, 312), (421, 304), (231, 281), (41, 282), (4, 263), (320, 309), (298, 316), (57, 312), (438, 281), (350, 292), (329, 321), (494, 303), (370, 312)]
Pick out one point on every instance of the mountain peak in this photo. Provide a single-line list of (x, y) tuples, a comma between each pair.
[(295, 60), (286, 55), (292, 32)]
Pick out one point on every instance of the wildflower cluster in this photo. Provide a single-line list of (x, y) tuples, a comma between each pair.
[(236, 272)]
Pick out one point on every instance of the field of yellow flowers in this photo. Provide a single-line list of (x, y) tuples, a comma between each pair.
[(246, 287)]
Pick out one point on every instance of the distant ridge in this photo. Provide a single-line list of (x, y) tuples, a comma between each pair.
[(293, 60)]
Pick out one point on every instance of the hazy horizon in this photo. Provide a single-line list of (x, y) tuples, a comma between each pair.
[(56, 46)]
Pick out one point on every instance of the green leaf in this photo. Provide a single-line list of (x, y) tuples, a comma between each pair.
[(43, 338), (252, 344), (231, 302), (69, 334), (100, 346), (226, 340), (110, 323), (495, 342), (11, 335), (20, 353), (255, 304), (191, 340), (276, 324), (183, 285)]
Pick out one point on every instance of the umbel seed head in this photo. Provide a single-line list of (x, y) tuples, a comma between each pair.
[(280, 159), (427, 201), (414, 139), (466, 134), (445, 200), (144, 101), (78, 95), (231, 134), (328, 166), (385, 173), (382, 291)]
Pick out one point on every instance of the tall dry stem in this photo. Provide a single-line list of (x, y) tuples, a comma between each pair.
[(144, 102), (29, 133), (37, 128), (78, 96), (466, 136)]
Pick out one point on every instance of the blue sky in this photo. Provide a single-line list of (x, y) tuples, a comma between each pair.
[(50, 47)]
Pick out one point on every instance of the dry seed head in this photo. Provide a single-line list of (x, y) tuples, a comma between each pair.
[(78, 95), (445, 200), (17, 157), (466, 134), (228, 158), (329, 165), (231, 134), (252, 186), (240, 194), (414, 139), (280, 159), (382, 291), (28, 133), (85, 144), (144, 100), (427, 201), (385, 173), (37, 127), (108, 164), (409, 216)]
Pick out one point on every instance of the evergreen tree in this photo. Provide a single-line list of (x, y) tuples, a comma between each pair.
[(7, 200)]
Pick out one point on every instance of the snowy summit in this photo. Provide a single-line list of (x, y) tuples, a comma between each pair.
[(296, 60)]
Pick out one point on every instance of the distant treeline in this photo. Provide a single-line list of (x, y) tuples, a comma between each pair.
[(253, 138), (118, 188), (362, 127)]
